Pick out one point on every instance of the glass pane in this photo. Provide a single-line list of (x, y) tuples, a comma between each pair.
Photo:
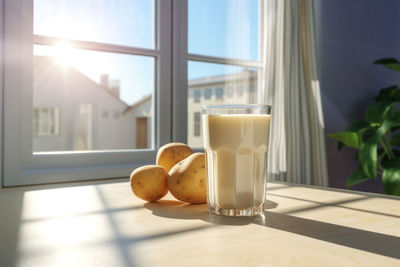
[(100, 100), (120, 22), (216, 84), (224, 28), (36, 121), (44, 121)]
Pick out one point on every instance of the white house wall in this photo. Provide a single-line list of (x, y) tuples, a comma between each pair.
[(64, 87)]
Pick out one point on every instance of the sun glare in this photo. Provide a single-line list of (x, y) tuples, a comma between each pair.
[(63, 53)]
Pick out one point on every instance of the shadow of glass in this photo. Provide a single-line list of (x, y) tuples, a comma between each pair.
[(373, 242), (179, 210), (378, 243)]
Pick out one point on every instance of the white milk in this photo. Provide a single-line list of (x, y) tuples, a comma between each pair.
[(236, 147)]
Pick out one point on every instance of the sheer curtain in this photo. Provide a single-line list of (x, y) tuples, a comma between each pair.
[(291, 86)]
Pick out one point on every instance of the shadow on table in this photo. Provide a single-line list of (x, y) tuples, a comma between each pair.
[(179, 210), (382, 244)]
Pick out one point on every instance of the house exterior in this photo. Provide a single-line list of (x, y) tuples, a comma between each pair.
[(73, 112), (238, 88)]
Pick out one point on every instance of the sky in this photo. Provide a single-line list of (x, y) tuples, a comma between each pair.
[(223, 28)]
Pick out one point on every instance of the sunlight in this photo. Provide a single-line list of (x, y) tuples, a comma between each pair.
[(63, 53)]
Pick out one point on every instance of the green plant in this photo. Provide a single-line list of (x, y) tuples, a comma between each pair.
[(377, 138)]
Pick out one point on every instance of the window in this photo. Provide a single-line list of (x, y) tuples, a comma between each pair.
[(240, 90), (207, 93), (229, 91), (116, 114), (224, 52), (46, 121), (196, 124), (88, 58), (197, 95), (104, 113), (219, 93)]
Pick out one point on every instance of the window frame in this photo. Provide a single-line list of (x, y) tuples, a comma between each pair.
[(170, 99), (22, 166)]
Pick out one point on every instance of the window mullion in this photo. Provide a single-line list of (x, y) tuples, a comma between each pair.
[(226, 61), (179, 70), (162, 101), (96, 46)]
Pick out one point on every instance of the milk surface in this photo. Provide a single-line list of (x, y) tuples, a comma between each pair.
[(236, 147)]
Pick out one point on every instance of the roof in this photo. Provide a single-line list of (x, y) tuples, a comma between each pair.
[(136, 104), (85, 77)]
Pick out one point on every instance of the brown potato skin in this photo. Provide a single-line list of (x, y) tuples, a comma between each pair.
[(172, 153), (149, 182), (186, 180)]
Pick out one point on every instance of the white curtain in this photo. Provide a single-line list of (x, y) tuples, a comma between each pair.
[(297, 146)]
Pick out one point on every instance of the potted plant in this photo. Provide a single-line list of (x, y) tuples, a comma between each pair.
[(376, 138)]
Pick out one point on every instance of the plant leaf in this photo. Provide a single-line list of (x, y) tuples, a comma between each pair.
[(378, 111), (391, 176), (368, 158), (340, 145), (391, 163), (391, 94), (391, 120), (356, 177), (357, 126), (395, 140), (390, 63), (387, 60), (391, 181), (369, 150), (350, 139)]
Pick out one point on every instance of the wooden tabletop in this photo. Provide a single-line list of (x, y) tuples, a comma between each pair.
[(104, 224)]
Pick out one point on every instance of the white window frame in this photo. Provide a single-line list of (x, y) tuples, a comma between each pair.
[(22, 167)]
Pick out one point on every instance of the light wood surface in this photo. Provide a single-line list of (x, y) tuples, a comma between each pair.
[(104, 224)]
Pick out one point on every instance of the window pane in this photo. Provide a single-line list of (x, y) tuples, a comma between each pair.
[(36, 121), (120, 22), (44, 121), (197, 127), (217, 84), (224, 28), (99, 97)]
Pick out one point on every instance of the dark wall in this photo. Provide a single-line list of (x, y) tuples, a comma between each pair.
[(350, 36)]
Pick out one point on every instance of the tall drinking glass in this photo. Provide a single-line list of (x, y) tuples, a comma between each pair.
[(236, 146)]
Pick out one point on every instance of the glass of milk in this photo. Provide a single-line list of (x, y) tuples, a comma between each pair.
[(236, 146)]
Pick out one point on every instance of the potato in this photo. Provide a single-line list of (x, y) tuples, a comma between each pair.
[(149, 182), (186, 180), (172, 153)]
